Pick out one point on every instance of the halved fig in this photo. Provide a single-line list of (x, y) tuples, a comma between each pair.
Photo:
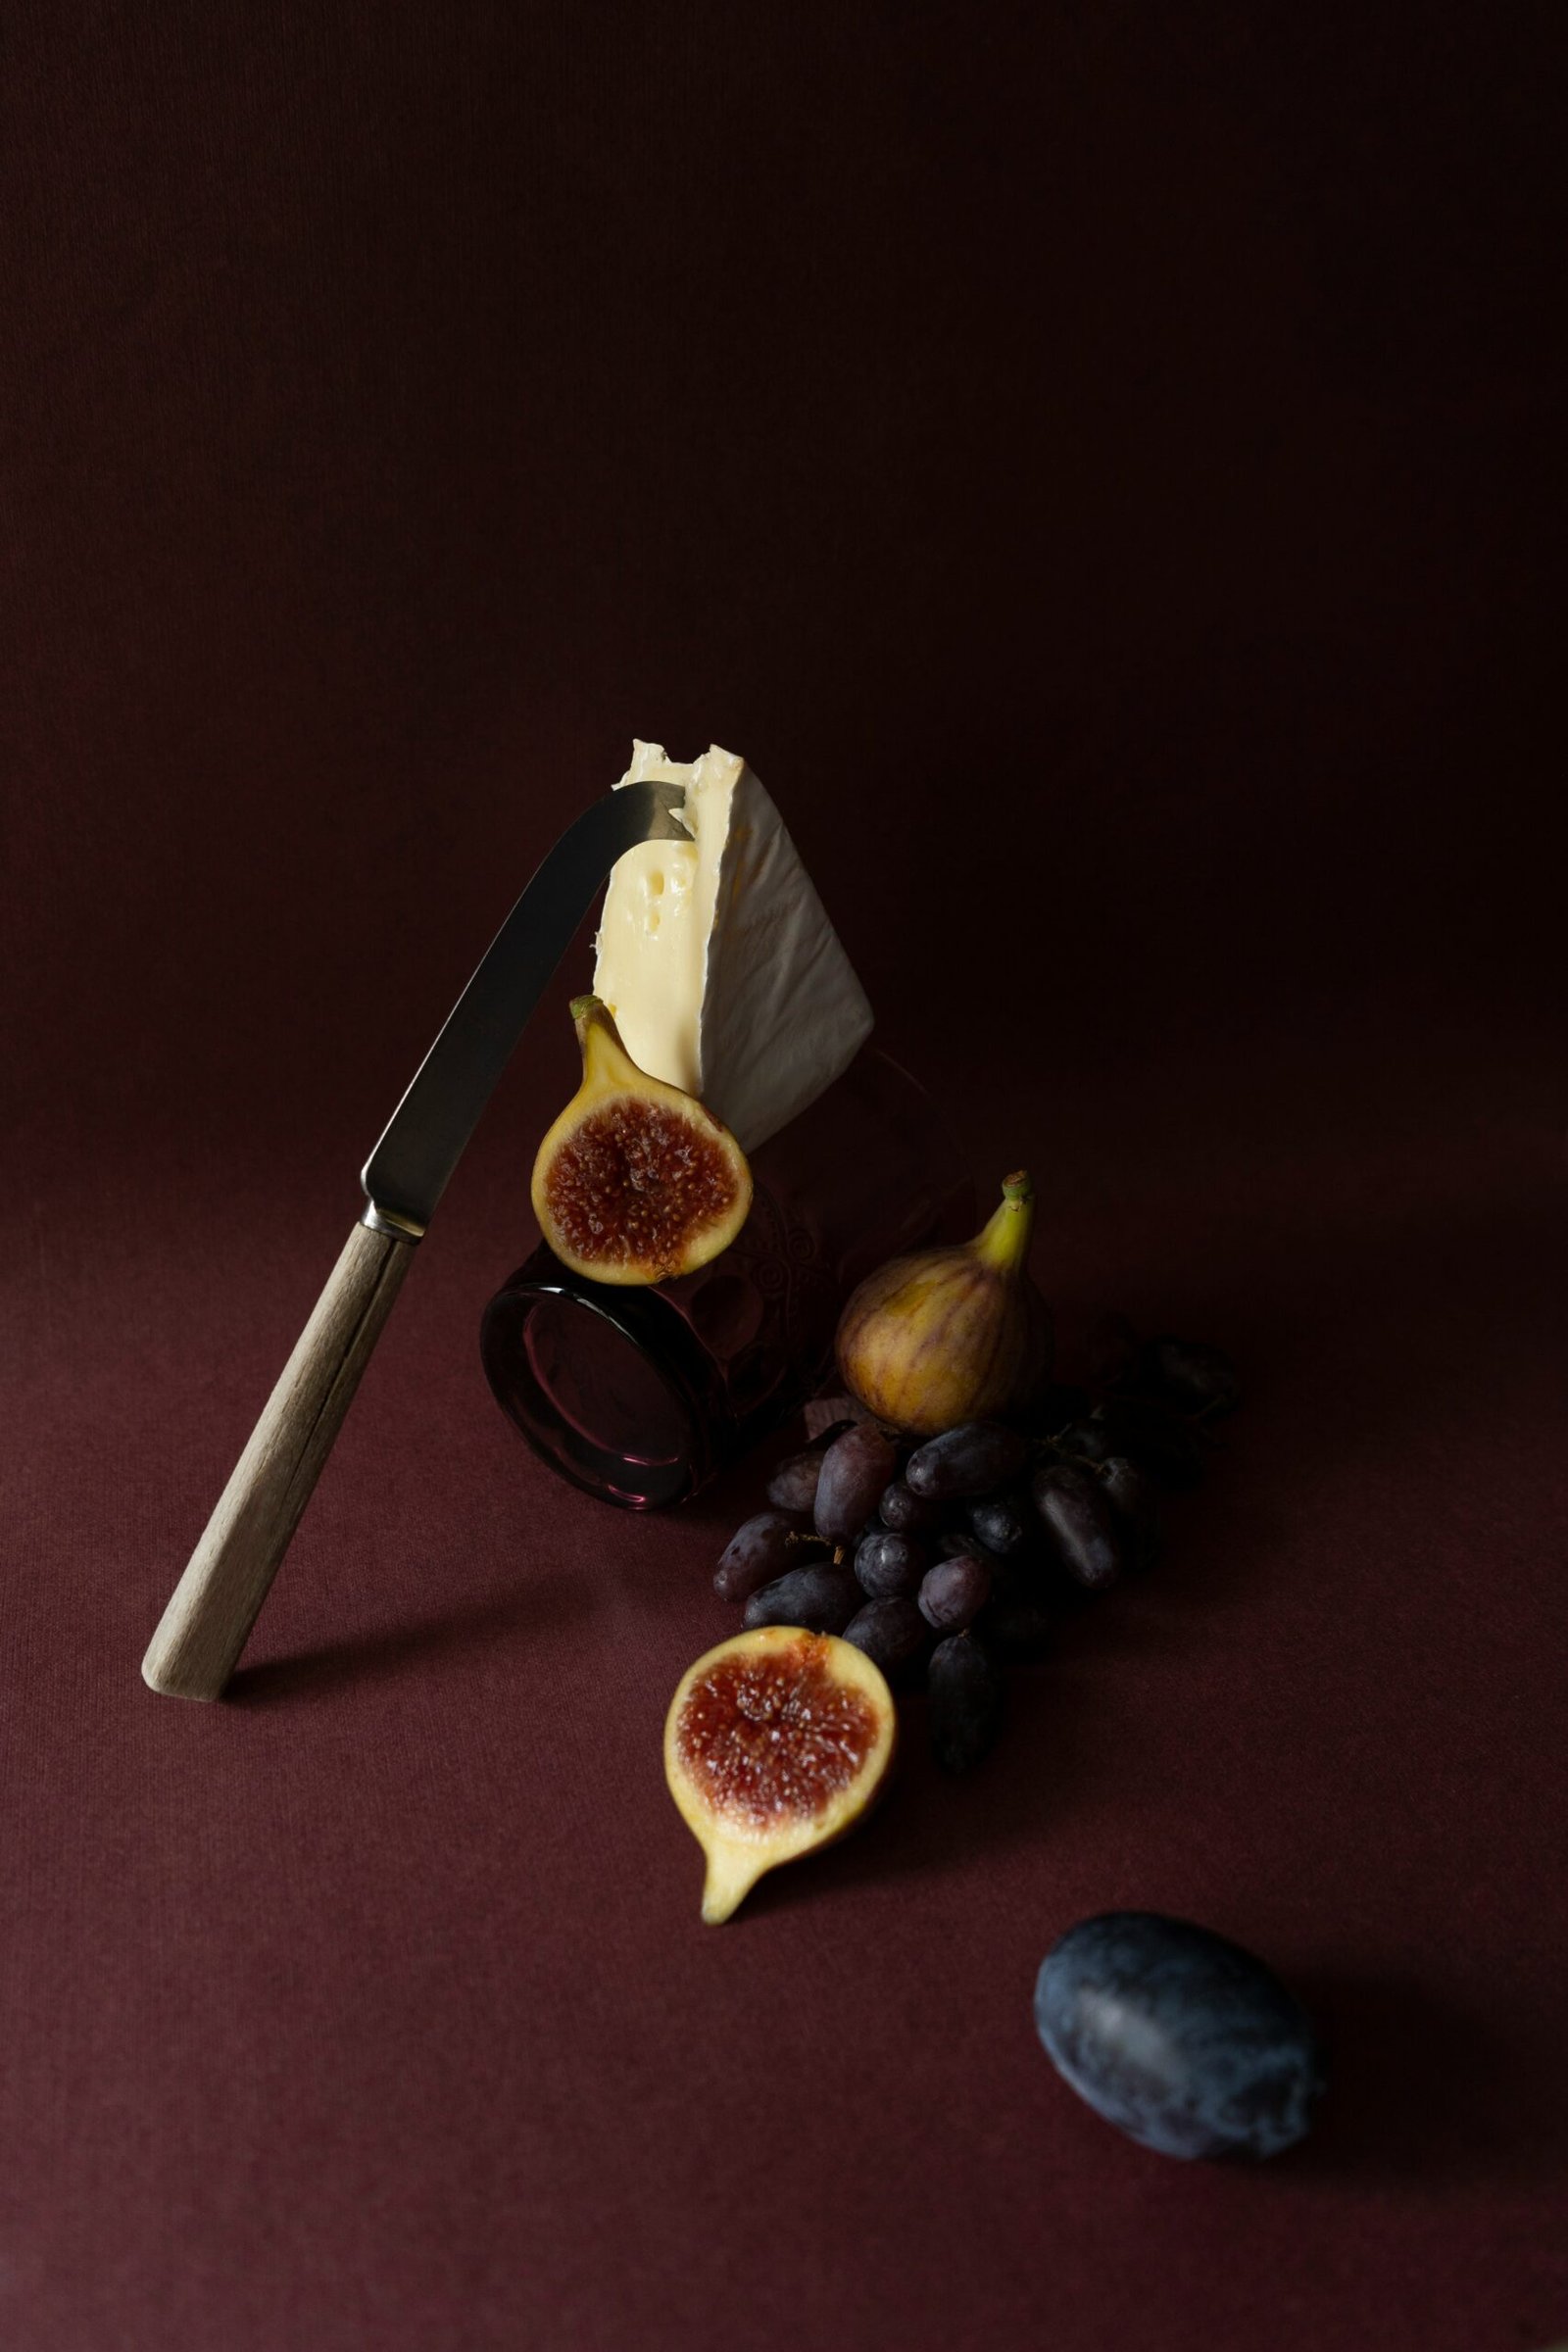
[(774, 1745), (636, 1181)]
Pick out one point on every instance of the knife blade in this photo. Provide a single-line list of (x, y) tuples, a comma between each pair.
[(406, 1173), (211, 1612)]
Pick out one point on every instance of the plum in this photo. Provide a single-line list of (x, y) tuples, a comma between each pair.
[(1182, 2039)]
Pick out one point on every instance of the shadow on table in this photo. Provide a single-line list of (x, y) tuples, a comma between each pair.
[(1422, 2091), (930, 1823), (1043, 1763), (393, 1650)]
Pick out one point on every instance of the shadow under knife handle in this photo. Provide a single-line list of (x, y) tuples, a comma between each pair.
[(214, 1604)]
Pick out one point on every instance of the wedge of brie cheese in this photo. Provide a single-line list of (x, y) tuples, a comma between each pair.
[(716, 956)]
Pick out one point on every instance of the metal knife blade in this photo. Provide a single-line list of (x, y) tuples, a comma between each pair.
[(406, 1173)]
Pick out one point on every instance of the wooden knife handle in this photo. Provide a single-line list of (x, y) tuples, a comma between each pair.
[(214, 1604)]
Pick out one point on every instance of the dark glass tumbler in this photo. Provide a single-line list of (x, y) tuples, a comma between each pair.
[(641, 1396)]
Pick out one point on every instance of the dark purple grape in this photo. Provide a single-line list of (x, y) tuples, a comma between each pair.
[(1016, 1623), (1135, 1500), (793, 1485), (821, 1598), (1112, 1352), (1080, 1525), (892, 1632), (954, 1540), (1182, 2039), (855, 1468), (1192, 1375), (1088, 1441), (904, 1511), (966, 1691), (760, 1550), (1003, 1523), (954, 1592), (1157, 1440), (970, 1459), (890, 1565)]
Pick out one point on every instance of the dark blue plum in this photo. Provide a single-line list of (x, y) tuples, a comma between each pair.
[(1182, 2039)]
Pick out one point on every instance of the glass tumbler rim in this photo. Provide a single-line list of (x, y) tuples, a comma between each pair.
[(667, 1352)]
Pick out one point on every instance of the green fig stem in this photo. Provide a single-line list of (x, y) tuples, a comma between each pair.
[(1003, 1243), (604, 1054)]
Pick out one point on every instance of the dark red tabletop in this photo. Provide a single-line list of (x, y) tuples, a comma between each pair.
[(1099, 470)]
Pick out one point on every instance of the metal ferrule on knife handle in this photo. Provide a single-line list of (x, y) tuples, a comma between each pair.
[(395, 1228), (210, 1614)]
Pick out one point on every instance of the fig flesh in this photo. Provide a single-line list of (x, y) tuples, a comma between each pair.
[(775, 1744), (635, 1182), (951, 1336)]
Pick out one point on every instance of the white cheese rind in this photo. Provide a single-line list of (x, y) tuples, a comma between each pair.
[(718, 959)]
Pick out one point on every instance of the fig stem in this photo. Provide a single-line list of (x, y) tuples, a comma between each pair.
[(1003, 1243), (604, 1052)]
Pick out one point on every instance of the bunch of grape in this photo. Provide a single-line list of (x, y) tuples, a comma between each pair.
[(955, 1556)]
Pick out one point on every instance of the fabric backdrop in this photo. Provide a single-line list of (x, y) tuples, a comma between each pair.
[(1098, 465)]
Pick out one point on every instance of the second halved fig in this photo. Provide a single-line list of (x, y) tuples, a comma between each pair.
[(775, 1744), (635, 1182)]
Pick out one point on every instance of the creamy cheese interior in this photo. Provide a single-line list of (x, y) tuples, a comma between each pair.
[(659, 914), (717, 958)]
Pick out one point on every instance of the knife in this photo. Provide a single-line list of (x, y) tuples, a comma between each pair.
[(214, 1604)]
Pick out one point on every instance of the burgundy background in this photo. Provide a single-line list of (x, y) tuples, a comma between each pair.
[(1098, 465)]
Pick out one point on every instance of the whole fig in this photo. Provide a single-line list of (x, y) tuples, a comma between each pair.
[(950, 1335)]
